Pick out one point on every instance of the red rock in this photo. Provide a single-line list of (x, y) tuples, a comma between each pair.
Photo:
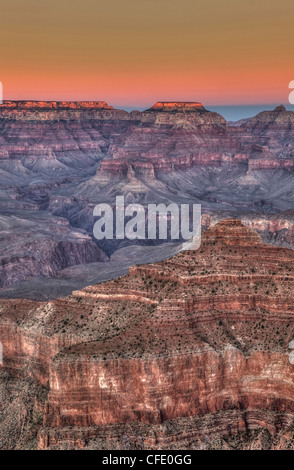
[(170, 106), (199, 338)]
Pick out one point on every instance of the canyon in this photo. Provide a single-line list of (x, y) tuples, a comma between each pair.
[(119, 344), (59, 159), (187, 353)]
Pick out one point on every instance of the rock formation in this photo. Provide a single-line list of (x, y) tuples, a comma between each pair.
[(191, 352), (169, 106), (59, 159)]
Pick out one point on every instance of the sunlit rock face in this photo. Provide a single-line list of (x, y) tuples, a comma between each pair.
[(54, 105), (175, 106), (191, 352)]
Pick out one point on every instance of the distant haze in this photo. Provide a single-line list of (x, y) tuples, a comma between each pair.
[(235, 113), (229, 112)]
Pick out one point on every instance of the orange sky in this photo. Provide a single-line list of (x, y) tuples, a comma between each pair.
[(135, 52)]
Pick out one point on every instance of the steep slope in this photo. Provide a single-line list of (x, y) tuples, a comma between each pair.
[(34, 243)]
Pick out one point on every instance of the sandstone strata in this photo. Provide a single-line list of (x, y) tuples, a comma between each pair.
[(191, 352)]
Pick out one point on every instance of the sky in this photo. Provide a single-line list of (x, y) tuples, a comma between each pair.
[(132, 53)]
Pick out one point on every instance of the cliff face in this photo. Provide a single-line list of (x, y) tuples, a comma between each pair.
[(170, 106), (172, 130), (175, 135), (167, 129), (22, 403), (191, 352), (43, 245)]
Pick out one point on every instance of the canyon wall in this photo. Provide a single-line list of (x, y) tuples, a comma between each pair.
[(185, 353)]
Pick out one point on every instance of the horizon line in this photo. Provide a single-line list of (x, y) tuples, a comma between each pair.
[(273, 103)]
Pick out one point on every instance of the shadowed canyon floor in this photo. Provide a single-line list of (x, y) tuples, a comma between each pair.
[(187, 353), (59, 159)]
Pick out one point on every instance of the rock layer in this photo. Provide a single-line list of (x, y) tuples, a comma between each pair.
[(188, 352)]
